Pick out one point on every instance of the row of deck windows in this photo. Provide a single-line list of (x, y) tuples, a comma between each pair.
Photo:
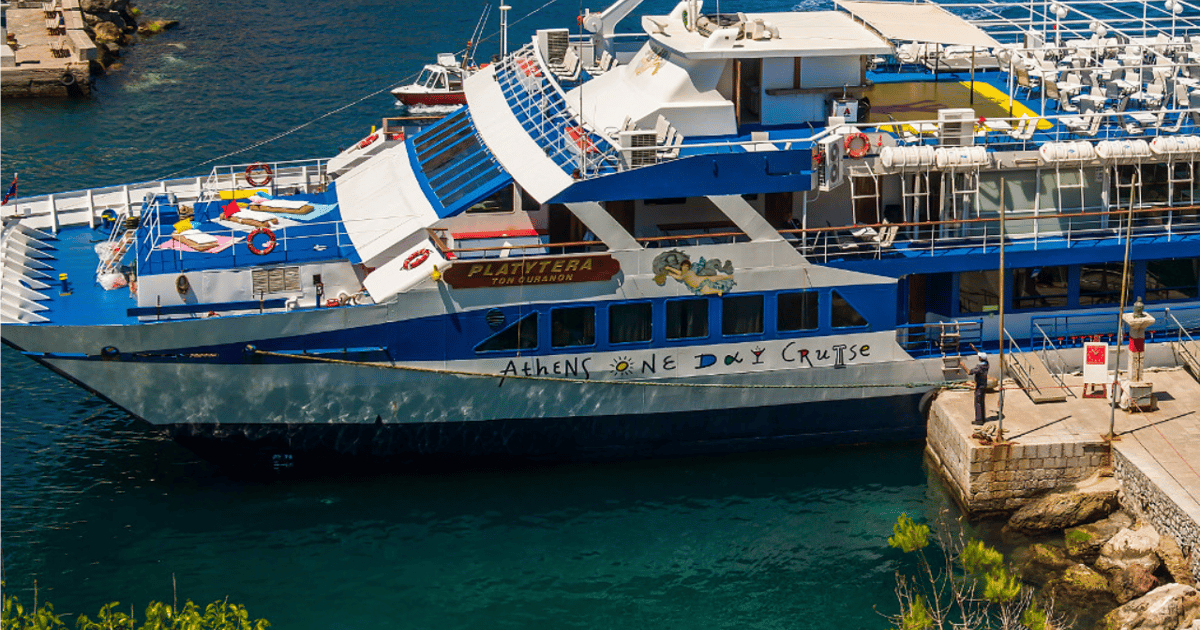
[(1080, 286), (633, 322)]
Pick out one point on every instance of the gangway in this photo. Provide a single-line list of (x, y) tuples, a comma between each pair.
[(1032, 374)]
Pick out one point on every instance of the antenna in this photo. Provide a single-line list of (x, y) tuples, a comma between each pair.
[(504, 29)]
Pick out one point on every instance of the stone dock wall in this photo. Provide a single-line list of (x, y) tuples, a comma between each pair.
[(1147, 500), (1003, 477)]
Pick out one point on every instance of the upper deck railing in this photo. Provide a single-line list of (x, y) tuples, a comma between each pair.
[(84, 207)]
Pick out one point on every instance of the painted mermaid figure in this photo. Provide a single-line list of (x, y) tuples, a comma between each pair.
[(705, 279)]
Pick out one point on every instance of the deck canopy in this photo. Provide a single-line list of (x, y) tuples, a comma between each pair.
[(801, 34), (918, 22)]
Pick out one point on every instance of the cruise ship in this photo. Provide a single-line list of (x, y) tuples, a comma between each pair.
[(723, 231)]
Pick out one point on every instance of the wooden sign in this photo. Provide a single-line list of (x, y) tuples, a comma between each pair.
[(466, 274)]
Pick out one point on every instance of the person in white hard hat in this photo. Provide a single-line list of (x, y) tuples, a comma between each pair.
[(980, 372)]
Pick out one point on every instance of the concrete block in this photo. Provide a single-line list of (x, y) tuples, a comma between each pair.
[(1043, 451), (1056, 450)]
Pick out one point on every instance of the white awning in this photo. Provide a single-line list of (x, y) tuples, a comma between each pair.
[(919, 22)]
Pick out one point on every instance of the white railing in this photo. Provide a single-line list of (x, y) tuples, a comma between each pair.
[(83, 207)]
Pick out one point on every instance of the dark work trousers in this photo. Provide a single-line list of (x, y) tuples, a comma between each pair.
[(980, 416)]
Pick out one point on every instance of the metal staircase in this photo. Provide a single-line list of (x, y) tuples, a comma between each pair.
[(1186, 348), (24, 251), (1032, 374)]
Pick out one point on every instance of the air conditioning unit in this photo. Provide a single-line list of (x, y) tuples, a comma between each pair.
[(956, 127), (828, 162), (639, 147)]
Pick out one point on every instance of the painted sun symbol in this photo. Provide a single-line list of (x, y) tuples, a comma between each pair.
[(622, 366)]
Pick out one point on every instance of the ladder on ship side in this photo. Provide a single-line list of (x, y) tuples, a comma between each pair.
[(1177, 176), (1131, 186), (950, 343), (915, 199), (120, 240), (964, 197), (1079, 184), (861, 173)]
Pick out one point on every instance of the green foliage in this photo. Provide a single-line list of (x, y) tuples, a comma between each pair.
[(908, 536), (980, 558), (219, 615), (1000, 586), (1078, 536), (917, 616), (1034, 618)]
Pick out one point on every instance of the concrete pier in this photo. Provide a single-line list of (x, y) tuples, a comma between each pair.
[(1155, 458), (42, 57)]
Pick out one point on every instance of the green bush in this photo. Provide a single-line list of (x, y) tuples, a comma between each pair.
[(219, 615)]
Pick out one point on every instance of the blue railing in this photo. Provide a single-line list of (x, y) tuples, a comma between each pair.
[(940, 338), (1074, 330), (540, 106)]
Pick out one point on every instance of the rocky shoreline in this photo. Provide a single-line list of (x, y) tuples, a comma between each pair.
[(55, 49), (114, 25), (1101, 564)]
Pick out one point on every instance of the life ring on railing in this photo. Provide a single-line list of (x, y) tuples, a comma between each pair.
[(259, 167), (268, 248), (416, 259), (861, 150)]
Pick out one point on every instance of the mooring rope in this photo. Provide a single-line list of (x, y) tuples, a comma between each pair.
[(581, 381)]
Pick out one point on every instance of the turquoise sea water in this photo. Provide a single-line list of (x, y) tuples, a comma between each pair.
[(98, 507)]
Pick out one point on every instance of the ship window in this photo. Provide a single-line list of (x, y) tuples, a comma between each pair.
[(1173, 279), (1040, 287), (798, 311), (572, 327), (742, 315), (277, 280), (843, 314), (978, 292), (629, 323), (1101, 284), (521, 335), (687, 319)]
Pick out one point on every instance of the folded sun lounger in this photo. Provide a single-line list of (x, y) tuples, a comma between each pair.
[(196, 239), (285, 206), (253, 218)]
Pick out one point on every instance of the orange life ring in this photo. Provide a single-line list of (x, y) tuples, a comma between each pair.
[(268, 248), (259, 166), (860, 151), (416, 259)]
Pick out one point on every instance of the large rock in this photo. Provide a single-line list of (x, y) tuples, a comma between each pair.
[(1168, 607), (1131, 582), (1176, 564), (106, 32), (1083, 543), (96, 6), (1137, 546), (1090, 500), (1040, 563), (1080, 587)]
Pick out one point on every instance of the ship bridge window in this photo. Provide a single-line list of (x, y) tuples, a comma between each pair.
[(798, 311), (1173, 279), (979, 291), (521, 335), (1101, 284), (629, 323), (572, 327), (842, 314), (1040, 287), (742, 315), (687, 319)]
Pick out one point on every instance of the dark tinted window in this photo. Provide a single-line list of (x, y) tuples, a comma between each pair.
[(798, 311), (842, 314), (629, 323), (521, 335), (1040, 287), (742, 315), (1174, 279), (687, 319), (979, 292), (571, 327), (1101, 284)]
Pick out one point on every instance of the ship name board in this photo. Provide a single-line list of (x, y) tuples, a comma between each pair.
[(555, 270)]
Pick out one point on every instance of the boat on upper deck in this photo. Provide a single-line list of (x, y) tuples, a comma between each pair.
[(725, 231)]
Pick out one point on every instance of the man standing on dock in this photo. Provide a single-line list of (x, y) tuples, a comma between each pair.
[(980, 372)]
